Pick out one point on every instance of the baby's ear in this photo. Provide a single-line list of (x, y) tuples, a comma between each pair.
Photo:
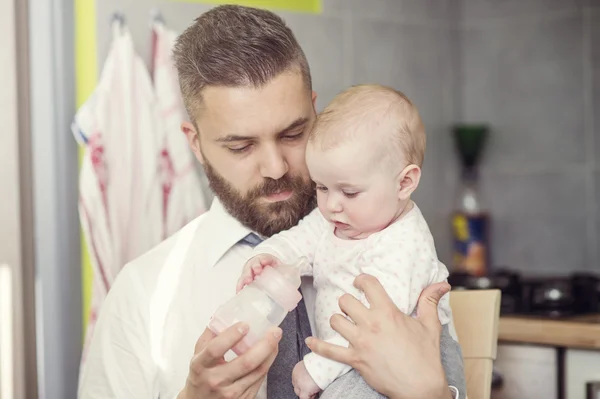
[(408, 181)]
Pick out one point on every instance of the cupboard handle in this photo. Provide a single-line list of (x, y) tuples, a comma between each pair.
[(592, 389), (6, 333)]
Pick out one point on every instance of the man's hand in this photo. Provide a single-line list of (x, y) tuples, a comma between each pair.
[(210, 376), (398, 355)]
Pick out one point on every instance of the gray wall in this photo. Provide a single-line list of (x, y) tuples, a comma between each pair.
[(532, 70), (527, 68), (408, 44)]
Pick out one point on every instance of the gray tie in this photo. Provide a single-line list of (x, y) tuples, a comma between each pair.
[(292, 349)]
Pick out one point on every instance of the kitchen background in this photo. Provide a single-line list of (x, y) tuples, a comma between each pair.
[(528, 68)]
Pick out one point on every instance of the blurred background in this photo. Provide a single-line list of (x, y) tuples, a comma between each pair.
[(509, 91)]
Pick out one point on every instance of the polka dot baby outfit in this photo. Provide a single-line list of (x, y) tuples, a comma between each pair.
[(402, 257)]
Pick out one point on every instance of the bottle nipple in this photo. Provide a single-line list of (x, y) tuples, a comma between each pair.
[(291, 273), (282, 283)]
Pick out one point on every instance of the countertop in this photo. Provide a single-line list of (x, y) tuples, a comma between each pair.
[(581, 332)]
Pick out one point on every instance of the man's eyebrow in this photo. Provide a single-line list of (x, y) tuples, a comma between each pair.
[(235, 137), (297, 123)]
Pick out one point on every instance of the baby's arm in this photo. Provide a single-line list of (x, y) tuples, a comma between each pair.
[(444, 309), (286, 247), (299, 241)]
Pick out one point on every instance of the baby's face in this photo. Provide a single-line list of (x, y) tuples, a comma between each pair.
[(353, 192)]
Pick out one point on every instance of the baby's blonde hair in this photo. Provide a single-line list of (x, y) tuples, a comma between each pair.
[(382, 113)]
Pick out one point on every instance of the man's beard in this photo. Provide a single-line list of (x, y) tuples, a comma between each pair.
[(254, 212)]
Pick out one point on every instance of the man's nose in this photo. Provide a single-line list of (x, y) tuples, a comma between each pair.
[(273, 164)]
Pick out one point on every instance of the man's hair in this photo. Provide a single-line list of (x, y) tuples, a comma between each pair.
[(382, 114), (235, 46)]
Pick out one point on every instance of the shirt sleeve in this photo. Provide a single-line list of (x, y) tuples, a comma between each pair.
[(299, 241), (118, 363), (452, 362)]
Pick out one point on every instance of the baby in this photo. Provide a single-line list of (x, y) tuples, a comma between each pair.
[(364, 154)]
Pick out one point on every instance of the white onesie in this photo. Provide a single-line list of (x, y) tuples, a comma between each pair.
[(402, 257)]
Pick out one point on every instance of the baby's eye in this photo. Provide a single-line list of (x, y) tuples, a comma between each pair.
[(322, 189), (350, 195)]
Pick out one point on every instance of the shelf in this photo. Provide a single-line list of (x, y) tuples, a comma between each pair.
[(582, 332)]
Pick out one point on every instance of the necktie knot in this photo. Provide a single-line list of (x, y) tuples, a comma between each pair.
[(251, 239)]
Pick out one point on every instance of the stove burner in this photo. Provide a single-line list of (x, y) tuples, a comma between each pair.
[(547, 297)]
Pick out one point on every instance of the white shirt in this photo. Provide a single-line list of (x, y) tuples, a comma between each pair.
[(401, 256), (159, 306)]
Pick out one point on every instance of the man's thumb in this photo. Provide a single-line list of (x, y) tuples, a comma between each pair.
[(427, 305)]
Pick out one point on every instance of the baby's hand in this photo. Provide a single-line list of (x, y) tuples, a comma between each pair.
[(254, 267), (304, 385)]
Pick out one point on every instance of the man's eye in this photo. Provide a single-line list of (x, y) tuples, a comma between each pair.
[(292, 137), (239, 150)]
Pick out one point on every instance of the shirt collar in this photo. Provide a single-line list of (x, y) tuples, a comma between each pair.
[(223, 232)]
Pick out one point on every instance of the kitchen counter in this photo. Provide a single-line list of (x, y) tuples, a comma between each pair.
[(581, 332)]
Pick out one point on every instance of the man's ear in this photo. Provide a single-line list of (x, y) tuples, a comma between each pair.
[(408, 181), (314, 100), (193, 139)]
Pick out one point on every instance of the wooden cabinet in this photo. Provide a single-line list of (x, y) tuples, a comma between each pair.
[(532, 350), (581, 367), (531, 371), (528, 372)]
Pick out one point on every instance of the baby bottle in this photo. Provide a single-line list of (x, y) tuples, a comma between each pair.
[(262, 304)]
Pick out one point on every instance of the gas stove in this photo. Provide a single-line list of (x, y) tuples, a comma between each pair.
[(546, 297)]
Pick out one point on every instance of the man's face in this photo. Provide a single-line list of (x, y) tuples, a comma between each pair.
[(252, 143)]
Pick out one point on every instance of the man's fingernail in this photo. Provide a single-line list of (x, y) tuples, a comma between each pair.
[(308, 341), (277, 334), (243, 328)]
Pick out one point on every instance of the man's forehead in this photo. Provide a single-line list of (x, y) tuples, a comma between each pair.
[(253, 111)]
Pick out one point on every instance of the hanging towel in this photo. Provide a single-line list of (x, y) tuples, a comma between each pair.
[(120, 191), (184, 195)]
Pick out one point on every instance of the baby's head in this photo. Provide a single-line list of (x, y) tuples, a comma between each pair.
[(365, 154)]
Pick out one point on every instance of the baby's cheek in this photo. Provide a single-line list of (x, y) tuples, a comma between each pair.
[(384, 212), (321, 204), (374, 222)]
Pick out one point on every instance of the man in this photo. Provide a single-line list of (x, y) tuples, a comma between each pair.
[(246, 85)]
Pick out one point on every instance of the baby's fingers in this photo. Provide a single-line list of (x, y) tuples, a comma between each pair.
[(243, 281), (269, 261), (257, 268), (240, 285)]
